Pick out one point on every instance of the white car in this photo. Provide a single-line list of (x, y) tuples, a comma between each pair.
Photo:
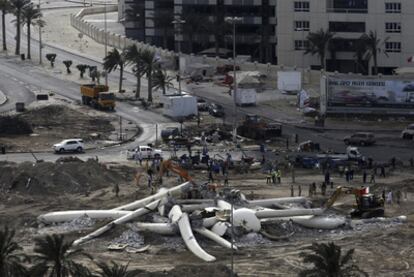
[(146, 152), (408, 133), (73, 145)]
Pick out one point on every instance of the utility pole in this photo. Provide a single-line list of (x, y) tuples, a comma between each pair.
[(179, 23), (233, 20), (40, 38), (106, 42), (120, 129)]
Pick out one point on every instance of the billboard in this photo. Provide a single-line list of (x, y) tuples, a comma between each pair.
[(369, 93)]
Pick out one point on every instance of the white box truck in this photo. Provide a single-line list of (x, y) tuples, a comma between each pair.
[(245, 96), (289, 81), (179, 105)]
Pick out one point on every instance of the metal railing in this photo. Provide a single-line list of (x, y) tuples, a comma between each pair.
[(346, 10)]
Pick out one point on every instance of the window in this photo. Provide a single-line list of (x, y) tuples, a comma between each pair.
[(351, 27), (393, 47), (393, 7), (301, 44), (301, 25), (301, 6), (393, 27)]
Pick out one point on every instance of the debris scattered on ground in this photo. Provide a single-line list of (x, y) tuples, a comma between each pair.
[(129, 238)]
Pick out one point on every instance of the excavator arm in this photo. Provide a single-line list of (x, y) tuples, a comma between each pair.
[(338, 192), (173, 167)]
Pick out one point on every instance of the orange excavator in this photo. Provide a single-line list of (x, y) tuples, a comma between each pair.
[(367, 205)]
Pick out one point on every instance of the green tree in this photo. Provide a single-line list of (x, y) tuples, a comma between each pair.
[(150, 64), (133, 56), (374, 48), (328, 261), (18, 6), (30, 13), (54, 257), (116, 270), (318, 44), (11, 255), (5, 8), (68, 64), (112, 61), (82, 69), (162, 80)]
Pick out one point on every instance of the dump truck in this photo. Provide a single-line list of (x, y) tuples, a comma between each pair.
[(97, 96), (255, 127)]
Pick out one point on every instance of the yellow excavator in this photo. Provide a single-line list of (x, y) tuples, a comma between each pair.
[(367, 205)]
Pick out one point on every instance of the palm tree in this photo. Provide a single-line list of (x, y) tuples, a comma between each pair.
[(116, 270), (133, 55), (162, 80), (112, 61), (150, 64), (18, 6), (328, 261), (333, 52), (30, 13), (374, 48), (11, 256), (54, 257), (5, 8), (361, 54), (318, 44)]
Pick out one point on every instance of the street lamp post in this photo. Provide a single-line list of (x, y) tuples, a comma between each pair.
[(106, 42), (40, 38), (233, 20), (179, 23)]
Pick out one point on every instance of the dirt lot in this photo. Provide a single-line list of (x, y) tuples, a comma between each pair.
[(45, 125), (382, 249)]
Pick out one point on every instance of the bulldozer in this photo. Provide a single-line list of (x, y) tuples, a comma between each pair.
[(368, 205), (255, 127)]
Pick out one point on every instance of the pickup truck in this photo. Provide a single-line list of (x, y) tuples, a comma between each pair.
[(147, 152), (307, 160), (352, 154)]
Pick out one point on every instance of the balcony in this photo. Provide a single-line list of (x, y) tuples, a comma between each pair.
[(346, 10)]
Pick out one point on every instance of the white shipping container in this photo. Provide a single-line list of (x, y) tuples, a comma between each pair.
[(179, 105), (245, 96), (289, 80)]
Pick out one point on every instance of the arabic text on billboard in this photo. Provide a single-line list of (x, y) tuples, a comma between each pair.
[(370, 93)]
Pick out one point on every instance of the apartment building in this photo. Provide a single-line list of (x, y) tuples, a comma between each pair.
[(205, 29), (392, 20)]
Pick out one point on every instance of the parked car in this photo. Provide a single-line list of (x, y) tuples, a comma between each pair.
[(360, 138), (147, 152), (216, 110), (408, 132), (69, 145), (202, 105)]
